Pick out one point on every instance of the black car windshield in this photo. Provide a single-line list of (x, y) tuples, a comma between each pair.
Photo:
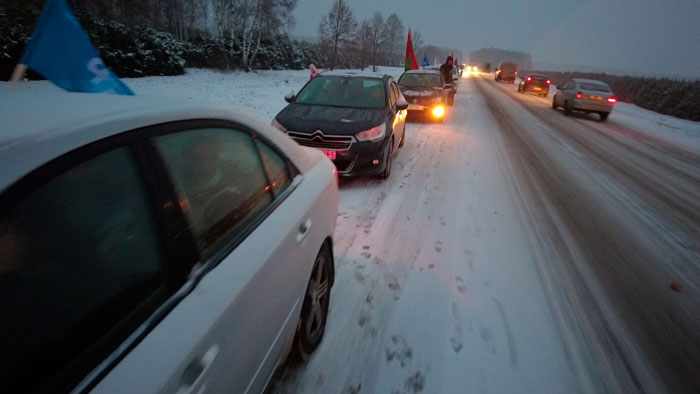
[(340, 91), (597, 87), (421, 80)]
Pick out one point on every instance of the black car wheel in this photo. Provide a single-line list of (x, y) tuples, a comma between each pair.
[(389, 160), (604, 116), (554, 104), (314, 311), (567, 108)]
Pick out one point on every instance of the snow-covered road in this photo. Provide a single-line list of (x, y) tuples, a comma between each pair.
[(516, 250), (512, 250), (437, 290)]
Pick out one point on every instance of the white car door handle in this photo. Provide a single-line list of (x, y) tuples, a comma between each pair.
[(196, 369), (304, 230)]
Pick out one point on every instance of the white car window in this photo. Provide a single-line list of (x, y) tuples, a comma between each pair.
[(81, 266), (220, 178)]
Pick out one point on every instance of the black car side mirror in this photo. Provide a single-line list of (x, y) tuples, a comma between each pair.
[(289, 97), (401, 105)]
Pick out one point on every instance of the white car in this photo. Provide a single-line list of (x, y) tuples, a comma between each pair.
[(156, 247), (585, 95)]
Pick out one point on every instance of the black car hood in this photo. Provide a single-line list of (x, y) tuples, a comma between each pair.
[(336, 120), (419, 91)]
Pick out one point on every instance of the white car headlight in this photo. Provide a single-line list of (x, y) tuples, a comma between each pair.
[(374, 134), (278, 125)]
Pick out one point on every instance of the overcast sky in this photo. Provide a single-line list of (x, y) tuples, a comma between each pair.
[(638, 35)]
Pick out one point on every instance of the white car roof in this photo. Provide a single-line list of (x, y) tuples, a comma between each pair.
[(36, 127), (590, 81)]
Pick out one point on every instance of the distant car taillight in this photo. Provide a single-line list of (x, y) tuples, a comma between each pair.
[(548, 82), (529, 79), (612, 100), (498, 72), (516, 73), (579, 95)]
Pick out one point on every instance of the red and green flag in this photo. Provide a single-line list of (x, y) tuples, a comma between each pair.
[(411, 62)]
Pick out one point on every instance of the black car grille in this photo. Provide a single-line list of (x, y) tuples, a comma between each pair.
[(322, 141), (421, 100)]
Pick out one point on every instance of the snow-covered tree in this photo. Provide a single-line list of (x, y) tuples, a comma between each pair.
[(336, 29)]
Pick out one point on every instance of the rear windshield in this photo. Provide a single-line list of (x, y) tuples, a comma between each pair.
[(541, 78), (339, 91), (425, 80), (509, 66), (597, 87)]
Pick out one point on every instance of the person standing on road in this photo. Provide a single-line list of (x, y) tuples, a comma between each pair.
[(446, 71)]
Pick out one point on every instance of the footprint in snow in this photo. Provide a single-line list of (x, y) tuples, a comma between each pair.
[(366, 255), (415, 383), (456, 338), (398, 350), (461, 286)]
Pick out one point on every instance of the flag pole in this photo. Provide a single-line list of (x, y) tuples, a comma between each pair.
[(18, 73)]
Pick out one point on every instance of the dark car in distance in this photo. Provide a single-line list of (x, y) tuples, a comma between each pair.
[(427, 93), (506, 71), (535, 83), (358, 119)]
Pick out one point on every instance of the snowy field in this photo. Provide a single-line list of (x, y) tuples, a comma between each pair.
[(448, 279)]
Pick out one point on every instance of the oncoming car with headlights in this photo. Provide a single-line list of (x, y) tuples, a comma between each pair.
[(426, 92), (358, 119)]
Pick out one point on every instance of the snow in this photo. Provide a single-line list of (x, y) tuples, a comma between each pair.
[(438, 289), (423, 93)]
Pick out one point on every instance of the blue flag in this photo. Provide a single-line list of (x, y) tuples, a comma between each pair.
[(426, 61), (61, 52)]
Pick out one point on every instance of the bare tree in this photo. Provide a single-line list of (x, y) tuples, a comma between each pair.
[(393, 37), (363, 38), (254, 19), (417, 42), (337, 28), (222, 16), (377, 36)]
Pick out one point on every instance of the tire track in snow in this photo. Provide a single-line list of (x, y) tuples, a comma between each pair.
[(624, 265)]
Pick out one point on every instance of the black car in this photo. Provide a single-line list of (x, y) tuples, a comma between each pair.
[(427, 93), (453, 84), (535, 83), (357, 119)]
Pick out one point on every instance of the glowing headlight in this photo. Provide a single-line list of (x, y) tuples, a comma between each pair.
[(439, 111), (374, 134), (278, 125)]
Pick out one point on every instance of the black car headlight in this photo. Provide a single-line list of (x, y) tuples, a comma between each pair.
[(374, 134)]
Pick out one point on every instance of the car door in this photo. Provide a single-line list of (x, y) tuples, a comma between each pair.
[(228, 333), (88, 256)]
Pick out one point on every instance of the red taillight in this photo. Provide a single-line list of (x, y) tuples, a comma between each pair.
[(548, 82), (516, 73), (612, 100), (579, 95), (498, 72), (529, 79)]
